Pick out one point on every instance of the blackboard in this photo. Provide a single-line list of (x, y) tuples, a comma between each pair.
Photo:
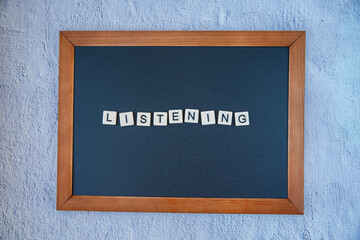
[(187, 161)]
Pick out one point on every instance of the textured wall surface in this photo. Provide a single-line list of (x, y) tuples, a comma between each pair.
[(29, 33)]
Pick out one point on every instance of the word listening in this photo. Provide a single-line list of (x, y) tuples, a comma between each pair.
[(175, 117)]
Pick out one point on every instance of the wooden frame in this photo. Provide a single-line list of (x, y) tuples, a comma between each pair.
[(295, 40)]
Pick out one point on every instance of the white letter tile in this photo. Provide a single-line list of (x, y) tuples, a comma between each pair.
[(143, 119), (225, 117), (208, 118), (191, 116), (126, 119), (109, 117), (175, 116), (242, 119), (160, 119)]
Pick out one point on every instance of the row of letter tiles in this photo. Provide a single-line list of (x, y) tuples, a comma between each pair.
[(175, 117)]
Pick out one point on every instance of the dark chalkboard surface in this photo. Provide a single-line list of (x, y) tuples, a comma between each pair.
[(181, 160), (254, 166)]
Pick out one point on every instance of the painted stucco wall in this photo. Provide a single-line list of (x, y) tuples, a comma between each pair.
[(29, 33)]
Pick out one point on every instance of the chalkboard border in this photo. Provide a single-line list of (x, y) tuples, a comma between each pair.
[(294, 204)]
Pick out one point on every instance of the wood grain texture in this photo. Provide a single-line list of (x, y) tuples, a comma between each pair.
[(296, 123), (182, 38), (65, 121), (181, 205), (295, 202)]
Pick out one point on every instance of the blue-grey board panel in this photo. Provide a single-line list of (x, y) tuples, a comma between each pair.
[(181, 160)]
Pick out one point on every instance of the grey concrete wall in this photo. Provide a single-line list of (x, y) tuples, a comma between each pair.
[(29, 32)]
